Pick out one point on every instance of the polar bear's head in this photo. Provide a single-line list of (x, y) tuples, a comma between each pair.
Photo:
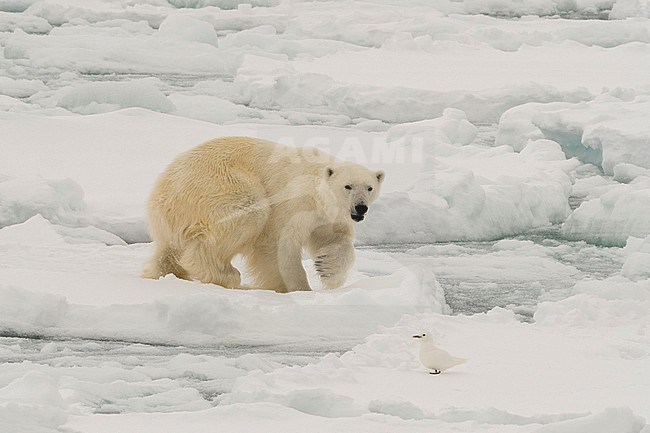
[(355, 188)]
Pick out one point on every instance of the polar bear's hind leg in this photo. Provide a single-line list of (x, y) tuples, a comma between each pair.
[(203, 261), (164, 262)]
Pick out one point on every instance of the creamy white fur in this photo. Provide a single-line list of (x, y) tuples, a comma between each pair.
[(239, 195)]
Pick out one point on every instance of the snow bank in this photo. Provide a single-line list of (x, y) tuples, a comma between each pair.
[(583, 310), (95, 98), (454, 64), (9, 22), (32, 402), (615, 213), (45, 395), (224, 4), (86, 299), (188, 29), (514, 8), (20, 88), (278, 418), (605, 132), (265, 41), (637, 263), (626, 173), (319, 86), (39, 231), (210, 108), (473, 192), (60, 12), (199, 315), (626, 9), (609, 133), (24, 197), (452, 127), (611, 419), (99, 53)]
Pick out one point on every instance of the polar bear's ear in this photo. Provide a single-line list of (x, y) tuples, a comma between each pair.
[(380, 176), (329, 171)]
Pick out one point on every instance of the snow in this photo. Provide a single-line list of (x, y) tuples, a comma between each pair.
[(20, 88), (531, 64), (618, 212), (607, 131), (96, 52), (96, 98), (452, 127), (637, 263), (385, 96), (188, 29), (25, 197), (512, 225)]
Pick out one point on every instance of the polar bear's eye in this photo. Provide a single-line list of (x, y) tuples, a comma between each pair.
[(348, 186), (369, 188)]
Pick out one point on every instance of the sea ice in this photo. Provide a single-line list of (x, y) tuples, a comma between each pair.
[(616, 213), (97, 97)]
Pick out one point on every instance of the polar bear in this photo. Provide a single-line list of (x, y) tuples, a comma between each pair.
[(267, 202)]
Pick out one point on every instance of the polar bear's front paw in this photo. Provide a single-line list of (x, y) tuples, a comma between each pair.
[(330, 277), (323, 266), (333, 281)]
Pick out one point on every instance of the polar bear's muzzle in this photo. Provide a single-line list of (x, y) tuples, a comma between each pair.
[(359, 212)]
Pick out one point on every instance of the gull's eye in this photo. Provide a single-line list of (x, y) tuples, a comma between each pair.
[(424, 335), (369, 188), (348, 186)]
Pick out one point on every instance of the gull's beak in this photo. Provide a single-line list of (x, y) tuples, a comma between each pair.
[(417, 336)]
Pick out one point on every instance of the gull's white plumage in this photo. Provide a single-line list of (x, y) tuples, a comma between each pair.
[(433, 357)]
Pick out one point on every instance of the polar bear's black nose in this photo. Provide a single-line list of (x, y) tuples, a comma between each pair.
[(361, 209)]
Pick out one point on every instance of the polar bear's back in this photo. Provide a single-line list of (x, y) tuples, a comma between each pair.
[(238, 173), (267, 160), (231, 153)]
